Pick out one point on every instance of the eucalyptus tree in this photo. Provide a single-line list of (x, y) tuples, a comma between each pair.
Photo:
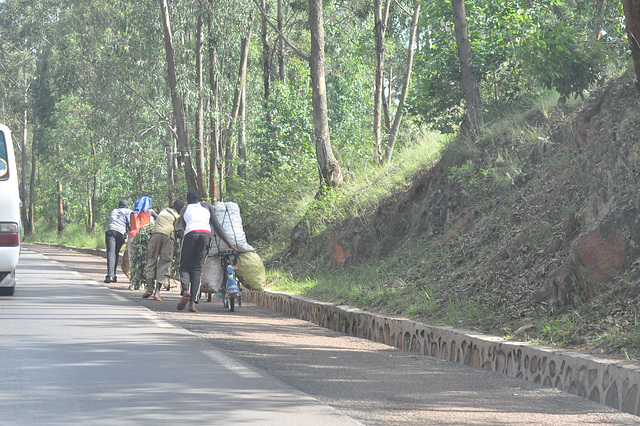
[(282, 72), (24, 27), (393, 133), (519, 50), (179, 108), (328, 165), (469, 81), (632, 16), (381, 17)]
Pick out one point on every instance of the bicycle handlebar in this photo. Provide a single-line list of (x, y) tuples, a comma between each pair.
[(227, 252)]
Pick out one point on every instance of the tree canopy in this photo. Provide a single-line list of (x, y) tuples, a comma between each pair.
[(119, 99)]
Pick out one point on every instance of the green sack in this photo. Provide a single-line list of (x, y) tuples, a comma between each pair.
[(251, 271)]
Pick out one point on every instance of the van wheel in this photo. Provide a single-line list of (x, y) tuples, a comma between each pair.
[(7, 291)]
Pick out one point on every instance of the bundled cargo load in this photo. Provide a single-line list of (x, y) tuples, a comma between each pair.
[(228, 214), (251, 270), (212, 274)]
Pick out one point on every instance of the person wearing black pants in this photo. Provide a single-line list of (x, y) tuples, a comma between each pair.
[(196, 223), (114, 237)]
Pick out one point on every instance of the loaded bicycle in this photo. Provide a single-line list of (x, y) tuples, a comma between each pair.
[(230, 288)]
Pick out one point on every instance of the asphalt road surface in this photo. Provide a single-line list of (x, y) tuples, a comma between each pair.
[(75, 352), (102, 354)]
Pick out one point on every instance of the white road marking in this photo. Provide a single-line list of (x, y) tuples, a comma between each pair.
[(232, 365)]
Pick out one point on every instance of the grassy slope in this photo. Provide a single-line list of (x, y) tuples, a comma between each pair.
[(510, 198)]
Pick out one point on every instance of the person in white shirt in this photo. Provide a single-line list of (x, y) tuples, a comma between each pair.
[(196, 223)]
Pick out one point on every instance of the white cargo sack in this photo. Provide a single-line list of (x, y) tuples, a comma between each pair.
[(228, 214), (212, 274)]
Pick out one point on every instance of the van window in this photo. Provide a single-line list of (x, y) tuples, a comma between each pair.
[(4, 167)]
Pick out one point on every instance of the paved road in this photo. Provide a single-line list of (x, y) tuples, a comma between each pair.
[(370, 382), (74, 352)]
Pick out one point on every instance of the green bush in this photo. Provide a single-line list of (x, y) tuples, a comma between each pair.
[(138, 257)]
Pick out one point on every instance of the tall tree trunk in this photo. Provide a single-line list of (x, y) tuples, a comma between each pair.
[(200, 143), (386, 101), (29, 227), (266, 56), (242, 139), (214, 148), (23, 145), (170, 150), (602, 4), (91, 213), (60, 211), (329, 167), (393, 134), (179, 109), (282, 74), (230, 147), (381, 17), (469, 82), (632, 18), (215, 177)]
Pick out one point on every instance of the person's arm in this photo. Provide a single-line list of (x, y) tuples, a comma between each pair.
[(217, 227), (153, 214), (180, 224), (128, 227)]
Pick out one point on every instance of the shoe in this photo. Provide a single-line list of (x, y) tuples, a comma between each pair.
[(192, 307), (114, 279), (183, 302), (147, 294), (158, 298), (108, 279)]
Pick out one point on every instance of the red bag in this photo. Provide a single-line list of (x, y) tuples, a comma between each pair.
[(138, 220)]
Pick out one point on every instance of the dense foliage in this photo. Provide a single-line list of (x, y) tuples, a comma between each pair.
[(87, 81)]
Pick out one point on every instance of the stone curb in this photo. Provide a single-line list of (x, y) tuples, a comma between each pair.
[(606, 382), (612, 383)]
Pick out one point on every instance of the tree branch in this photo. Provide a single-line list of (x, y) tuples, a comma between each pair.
[(161, 118), (275, 27), (403, 8)]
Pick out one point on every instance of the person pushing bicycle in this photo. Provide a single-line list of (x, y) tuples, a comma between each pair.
[(196, 223)]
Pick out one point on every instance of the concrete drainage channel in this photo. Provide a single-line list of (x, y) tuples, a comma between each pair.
[(612, 383)]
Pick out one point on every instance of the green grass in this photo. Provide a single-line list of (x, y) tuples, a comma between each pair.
[(74, 235)]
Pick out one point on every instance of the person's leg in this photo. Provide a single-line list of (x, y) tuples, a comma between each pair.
[(165, 259), (110, 242), (119, 243), (200, 252), (186, 268), (152, 260), (164, 262)]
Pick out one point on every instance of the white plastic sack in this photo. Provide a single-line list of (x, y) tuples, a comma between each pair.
[(228, 214), (212, 274)]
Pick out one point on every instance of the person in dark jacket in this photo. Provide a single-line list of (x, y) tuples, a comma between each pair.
[(115, 235)]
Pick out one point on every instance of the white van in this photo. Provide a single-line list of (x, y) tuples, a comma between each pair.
[(10, 225)]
